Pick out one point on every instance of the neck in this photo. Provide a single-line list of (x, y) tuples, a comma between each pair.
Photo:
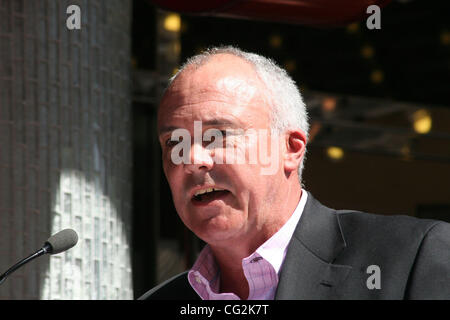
[(232, 279), (229, 257)]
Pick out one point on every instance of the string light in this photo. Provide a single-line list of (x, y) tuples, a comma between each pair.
[(290, 65), (329, 104), (445, 38), (422, 121), (176, 48), (353, 27), (406, 153), (275, 41), (172, 22), (377, 76), (335, 153), (367, 51)]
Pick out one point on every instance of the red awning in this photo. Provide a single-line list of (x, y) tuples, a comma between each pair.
[(308, 12)]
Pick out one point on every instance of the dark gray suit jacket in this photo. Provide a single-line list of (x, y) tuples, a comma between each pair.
[(330, 252)]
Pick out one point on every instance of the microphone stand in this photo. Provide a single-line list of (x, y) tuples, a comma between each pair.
[(45, 249)]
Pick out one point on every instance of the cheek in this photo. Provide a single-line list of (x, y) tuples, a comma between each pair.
[(174, 178), (167, 157)]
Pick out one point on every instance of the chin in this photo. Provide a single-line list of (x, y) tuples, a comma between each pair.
[(216, 231)]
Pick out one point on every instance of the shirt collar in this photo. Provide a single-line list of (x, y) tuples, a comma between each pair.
[(273, 250)]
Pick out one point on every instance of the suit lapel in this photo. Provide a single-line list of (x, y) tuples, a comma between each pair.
[(308, 271)]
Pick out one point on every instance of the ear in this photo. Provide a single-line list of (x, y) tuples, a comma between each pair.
[(295, 149)]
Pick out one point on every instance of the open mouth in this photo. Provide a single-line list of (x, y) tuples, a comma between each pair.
[(207, 195)]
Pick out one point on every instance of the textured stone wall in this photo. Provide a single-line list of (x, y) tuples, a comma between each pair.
[(65, 151)]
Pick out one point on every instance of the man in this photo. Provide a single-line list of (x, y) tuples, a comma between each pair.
[(268, 238)]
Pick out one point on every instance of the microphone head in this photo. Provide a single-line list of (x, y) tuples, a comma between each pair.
[(62, 241)]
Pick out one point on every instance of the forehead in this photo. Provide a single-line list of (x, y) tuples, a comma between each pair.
[(225, 87)]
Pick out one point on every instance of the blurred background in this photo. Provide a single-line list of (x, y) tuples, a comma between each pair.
[(78, 144)]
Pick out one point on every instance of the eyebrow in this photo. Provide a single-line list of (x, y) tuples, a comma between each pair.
[(166, 129), (212, 122)]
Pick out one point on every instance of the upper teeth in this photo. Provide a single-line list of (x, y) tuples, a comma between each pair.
[(202, 191)]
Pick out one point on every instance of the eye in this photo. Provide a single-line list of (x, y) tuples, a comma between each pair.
[(225, 133), (171, 143)]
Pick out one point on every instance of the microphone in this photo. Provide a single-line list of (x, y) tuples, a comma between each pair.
[(59, 242)]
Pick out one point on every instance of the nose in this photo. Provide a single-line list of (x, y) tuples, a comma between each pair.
[(200, 159)]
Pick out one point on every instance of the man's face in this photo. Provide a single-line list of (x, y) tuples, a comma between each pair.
[(226, 95)]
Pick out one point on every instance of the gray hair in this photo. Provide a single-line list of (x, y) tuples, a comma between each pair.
[(288, 108)]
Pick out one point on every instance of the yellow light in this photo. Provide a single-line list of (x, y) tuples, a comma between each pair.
[(422, 121), (367, 52), (335, 153), (329, 104), (353, 27), (174, 71), (172, 22), (290, 65), (377, 76), (445, 38), (176, 48), (275, 41), (406, 153)]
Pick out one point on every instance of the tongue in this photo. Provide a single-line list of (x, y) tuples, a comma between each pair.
[(210, 196)]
